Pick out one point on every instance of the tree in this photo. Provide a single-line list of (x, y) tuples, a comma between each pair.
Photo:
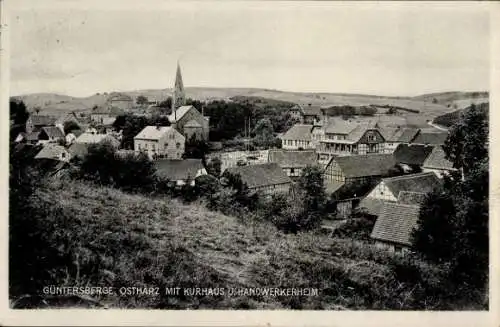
[(141, 100), (453, 223), (134, 172), (195, 148), (99, 164), (214, 167), (312, 184), (70, 126), (467, 143)]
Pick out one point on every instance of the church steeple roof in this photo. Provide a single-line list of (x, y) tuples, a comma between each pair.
[(178, 97)]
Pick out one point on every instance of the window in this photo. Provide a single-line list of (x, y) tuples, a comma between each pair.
[(292, 171), (63, 155), (165, 146), (178, 145)]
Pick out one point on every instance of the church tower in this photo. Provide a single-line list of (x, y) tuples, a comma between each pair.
[(178, 96)]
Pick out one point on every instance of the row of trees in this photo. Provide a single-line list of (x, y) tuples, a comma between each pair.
[(453, 225)]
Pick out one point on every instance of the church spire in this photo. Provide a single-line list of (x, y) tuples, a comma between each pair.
[(178, 97)]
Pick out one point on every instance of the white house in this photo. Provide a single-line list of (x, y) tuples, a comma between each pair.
[(298, 137), (160, 142), (389, 188)]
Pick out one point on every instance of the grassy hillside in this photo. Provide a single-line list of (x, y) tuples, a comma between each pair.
[(103, 237), (52, 103), (451, 118)]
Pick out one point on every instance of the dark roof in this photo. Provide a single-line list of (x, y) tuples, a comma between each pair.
[(293, 159), (260, 175), (79, 149), (53, 132), (406, 197), (365, 165), (412, 154), (437, 159), (332, 186), (432, 138), (408, 135), (298, 132), (399, 134), (40, 120), (175, 170), (395, 223), (422, 183), (372, 206)]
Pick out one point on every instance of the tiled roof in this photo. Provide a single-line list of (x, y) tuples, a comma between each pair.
[(407, 135), (89, 138), (260, 175), (422, 183), (395, 223), (437, 159), (340, 126), (175, 170), (432, 138), (293, 159), (40, 120), (365, 165), (179, 113), (157, 132), (360, 130), (406, 197), (412, 154), (298, 132), (193, 123), (53, 132), (331, 186), (372, 206), (51, 151)]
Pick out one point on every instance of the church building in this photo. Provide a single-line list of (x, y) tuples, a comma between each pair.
[(186, 118)]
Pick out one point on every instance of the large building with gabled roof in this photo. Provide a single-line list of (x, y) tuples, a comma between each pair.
[(160, 142), (186, 118)]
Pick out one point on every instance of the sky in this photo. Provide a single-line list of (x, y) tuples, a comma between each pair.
[(81, 48)]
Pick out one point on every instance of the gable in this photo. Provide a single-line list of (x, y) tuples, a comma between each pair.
[(372, 136)]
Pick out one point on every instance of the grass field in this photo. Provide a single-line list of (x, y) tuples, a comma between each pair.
[(118, 239)]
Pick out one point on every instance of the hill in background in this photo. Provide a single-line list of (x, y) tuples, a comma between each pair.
[(430, 105)]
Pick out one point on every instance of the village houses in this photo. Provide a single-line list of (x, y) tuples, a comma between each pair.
[(393, 228), (293, 162), (436, 162), (358, 169), (55, 152), (266, 179), (180, 172), (389, 189), (298, 137), (160, 142)]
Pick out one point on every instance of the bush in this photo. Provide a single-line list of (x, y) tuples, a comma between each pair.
[(355, 228)]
